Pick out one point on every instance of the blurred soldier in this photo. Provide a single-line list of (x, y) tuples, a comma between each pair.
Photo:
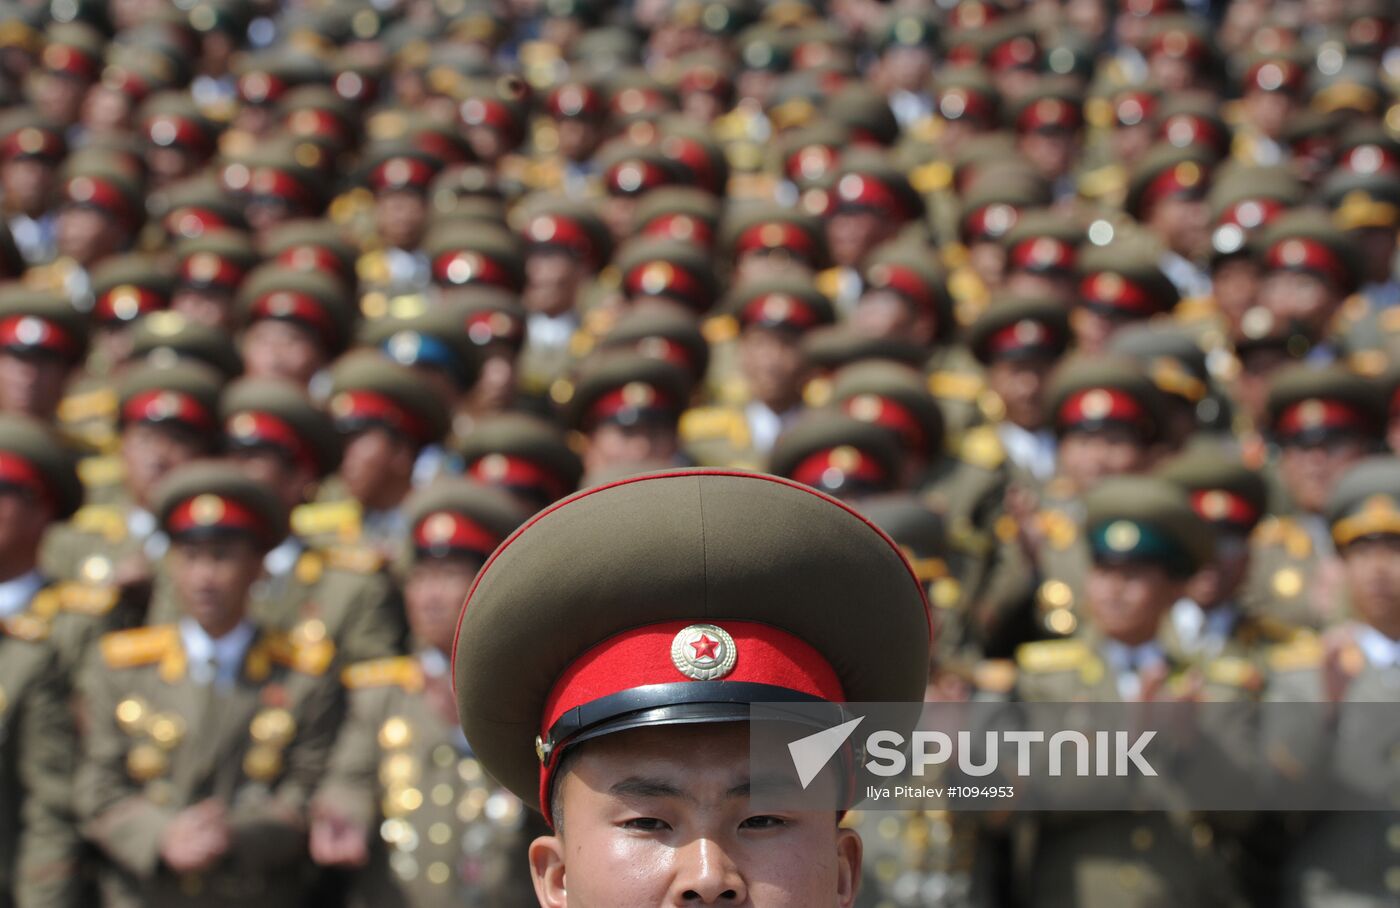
[(399, 175), (43, 341), (31, 147), (294, 323), (627, 407), (405, 800), (523, 455), (208, 736), (841, 455)]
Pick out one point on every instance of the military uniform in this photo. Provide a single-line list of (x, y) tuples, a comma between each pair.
[(169, 727)]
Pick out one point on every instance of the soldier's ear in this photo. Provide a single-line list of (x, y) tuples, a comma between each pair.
[(547, 871), (849, 850)]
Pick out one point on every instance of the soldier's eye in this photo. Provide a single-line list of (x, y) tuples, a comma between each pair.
[(763, 822), (645, 824)]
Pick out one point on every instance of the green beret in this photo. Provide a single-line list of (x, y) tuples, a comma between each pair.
[(312, 299), (651, 390), (249, 397), (838, 454), (38, 320), (214, 498), (868, 390), (1045, 332), (454, 516), (1222, 489), (1145, 519), (739, 553), (421, 415), (1095, 392), (1309, 403), (1366, 501), (496, 441), (779, 302), (183, 393), (666, 333), (35, 443)]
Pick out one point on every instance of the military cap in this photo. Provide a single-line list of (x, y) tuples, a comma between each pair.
[(312, 299), (465, 253), (907, 28), (25, 133), (1123, 278), (791, 303), (1192, 120), (1366, 502), (920, 534), (866, 113), (195, 205), (309, 245), (462, 183), (1137, 519), (1283, 71), (1171, 355), (634, 94), (607, 48), (1180, 37), (894, 396), (524, 455), (994, 199), (425, 132), (172, 120), (1353, 87), (1001, 45), (808, 155), (765, 48), (216, 499), (105, 188), (263, 78), (1243, 200), (230, 16), (1054, 103), (1167, 171), (358, 77), (32, 458), (270, 414), (1305, 240), (1112, 104), (501, 104), (838, 454), (286, 170), (126, 287), (1018, 327), (683, 213), (703, 72), (455, 517), (575, 98), (369, 391), (966, 93), (1044, 240), (398, 165), (1222, 490), (666, 333), (1308, 404), (676, 617), (435, 338), (834, 346), (912, 273), (33, 321), (73, 49), (1361, 201), (488, 315), (766, 227), (1368, 148), (629, 169), (165, 337), (869, 181), (670, 269), (216, 258), (181, 394), (550, 222), (1091, 394), (626, 389)]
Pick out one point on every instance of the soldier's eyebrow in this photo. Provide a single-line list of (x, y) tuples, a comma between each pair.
[(642, 787), (768, 784)]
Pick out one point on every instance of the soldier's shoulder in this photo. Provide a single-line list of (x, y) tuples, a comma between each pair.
[(305, 657), (103, 520), (26, 627), (981, 446), (394, 672), (137, 647), (78, 598), (712, 422), (340, 518), (353, 559), (1234, 672), (1303, 653), (1046, 656), (995, 676)]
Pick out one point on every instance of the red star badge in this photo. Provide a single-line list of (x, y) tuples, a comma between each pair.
[(705, 648)]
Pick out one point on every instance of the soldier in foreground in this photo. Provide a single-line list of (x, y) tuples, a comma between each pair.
[(614, 699)]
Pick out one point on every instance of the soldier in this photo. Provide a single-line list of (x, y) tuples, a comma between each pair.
[(1145, 543), (646, 807), (399, 175), (38, 841), (871, 201), (525, 456), (208, 736), (211, 267), (294, 323), (43, 340), (841, 455), (1323, 421), (386, 416), (626, 406), (463, 843), (1347, 858), (31, 147)]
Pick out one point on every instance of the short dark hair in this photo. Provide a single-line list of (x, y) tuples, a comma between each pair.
[(556, 783)]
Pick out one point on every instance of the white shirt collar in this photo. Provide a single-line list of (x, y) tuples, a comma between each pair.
[(226, 652), (1380, 650), (1033, 452), (434, 662), (280, 561), (1202, 631), (1127, 663), (16, 592), (764, 425)]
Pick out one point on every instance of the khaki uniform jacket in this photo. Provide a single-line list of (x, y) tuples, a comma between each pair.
[(443, 834), (159, 742)]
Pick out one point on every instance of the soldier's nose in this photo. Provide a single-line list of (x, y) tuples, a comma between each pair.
[(708, 877)]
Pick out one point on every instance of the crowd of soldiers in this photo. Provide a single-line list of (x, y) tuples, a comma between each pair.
[(307, 307)]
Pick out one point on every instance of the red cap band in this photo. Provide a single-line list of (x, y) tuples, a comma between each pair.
[(1043, 253), (34, 333), (964, 104), (1101, 405), (206, 268), (1301, 254), (681, 227), (574, 100), (169, 130), (891, 414), (448, 530), (464, 267), (311, 258), (847, 461), (98, 193), (990, 222), (566, 233), (635, 395), (517, 472), (1317, 413), (164, 406), (1049, 113), (1251, 214), (1026, 334), (291, 306), (401, 173), (32, 142), (1186, 178), (1221, 506), (1178, 44), (860, 192), (1018, 53), (904, 281), (1113, 291), (208, 511), (490, 325), (16, 471), (190, 222), (777, 235), (371, 407), (1274, 75), (64, 58), (126, 302), (665, 279), (253, 428), (635, 177), (260, 88)]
